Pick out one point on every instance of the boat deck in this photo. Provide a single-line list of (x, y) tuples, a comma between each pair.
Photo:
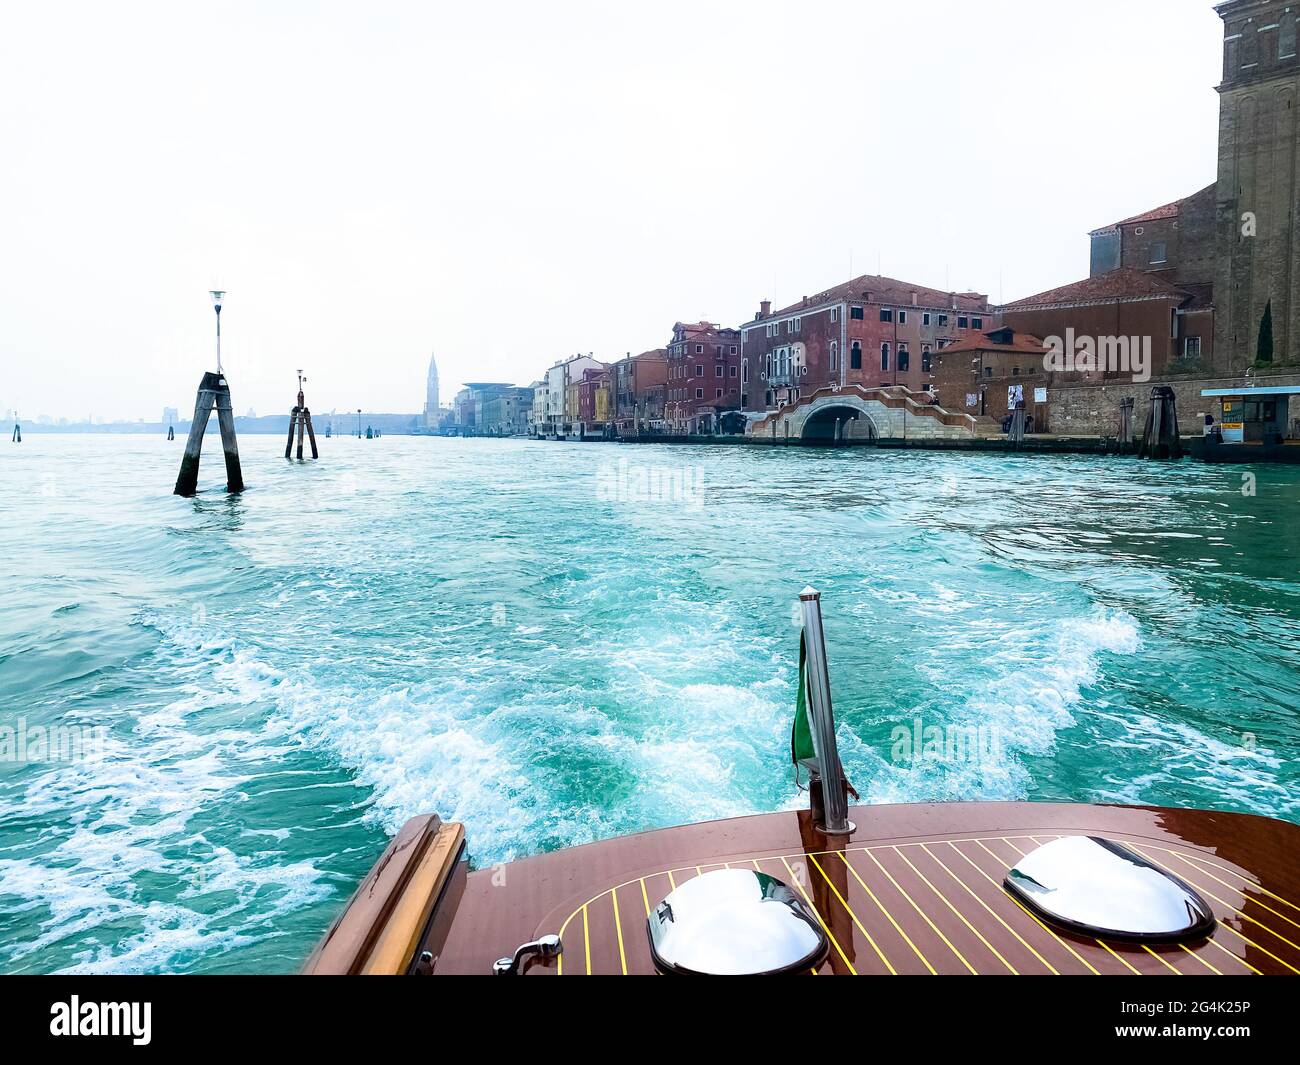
[(915, 890)]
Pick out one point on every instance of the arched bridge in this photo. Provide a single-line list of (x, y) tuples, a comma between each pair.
[(852, 412)]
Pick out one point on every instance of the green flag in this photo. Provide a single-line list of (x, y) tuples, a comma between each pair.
[(801, 744)]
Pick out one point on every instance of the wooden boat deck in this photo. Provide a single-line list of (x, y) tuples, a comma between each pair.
[(915, 890)]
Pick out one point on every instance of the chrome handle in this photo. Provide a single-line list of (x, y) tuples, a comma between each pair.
[(546, 947)]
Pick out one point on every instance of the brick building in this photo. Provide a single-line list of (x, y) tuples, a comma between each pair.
[(1123, 303), (593, 402), (638, 384), (1258, 268), (870, 331), (986, 374), (703, 376)]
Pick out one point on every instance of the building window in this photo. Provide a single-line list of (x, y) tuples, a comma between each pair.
[(733, 349), (1158, 253), (835, 314), (855, 356), (902, 318), (733, 371), (886, 314), (719, 393), (962, 321), (904, 358), (835, 355), (977, 323), (943, 319), (717, 370), (699, 370), (1287, 38), (855, 313), (798, 325), (925, 360), (699, 349), (925, 318), (884, 358), (699, 393), (1191, 347), (988, 371), (744, 372)]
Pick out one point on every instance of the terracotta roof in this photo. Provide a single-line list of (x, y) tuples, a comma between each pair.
[(1169, 210), (890, 291), (1005, 339), (1116, 285)]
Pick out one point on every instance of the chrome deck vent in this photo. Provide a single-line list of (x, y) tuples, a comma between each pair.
[(734, 922), (1097, 886)]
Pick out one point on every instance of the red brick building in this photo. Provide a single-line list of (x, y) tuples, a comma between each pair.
[(1123, 303), (986, 374), (594, 408), (703, 377), (638, 384), (870, 331)]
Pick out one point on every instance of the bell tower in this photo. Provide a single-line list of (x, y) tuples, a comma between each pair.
[(1257, 281), (431, 396)]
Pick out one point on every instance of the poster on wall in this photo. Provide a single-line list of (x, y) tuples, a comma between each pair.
[(1040, 395), (1015, 396)]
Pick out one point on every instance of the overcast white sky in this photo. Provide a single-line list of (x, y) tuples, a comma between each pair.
[(510, 182)]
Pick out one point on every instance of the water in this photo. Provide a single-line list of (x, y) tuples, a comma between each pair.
[(505, 633)]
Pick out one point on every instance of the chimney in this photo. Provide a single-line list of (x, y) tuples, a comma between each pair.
[(953, 297), (913, 297), (764, 308)]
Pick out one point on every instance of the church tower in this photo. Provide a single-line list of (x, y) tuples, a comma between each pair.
[(431, 413), (1258, 273)]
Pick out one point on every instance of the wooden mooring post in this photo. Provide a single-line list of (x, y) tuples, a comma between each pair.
[(213, 392), (1161, 440), (18, 431), (1124, 441), (1016, 431), (300, 419)]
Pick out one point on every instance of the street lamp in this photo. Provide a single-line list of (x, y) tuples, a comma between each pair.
[(217, 298)]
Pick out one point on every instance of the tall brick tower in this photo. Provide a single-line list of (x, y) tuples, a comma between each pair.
[(1259, 182)]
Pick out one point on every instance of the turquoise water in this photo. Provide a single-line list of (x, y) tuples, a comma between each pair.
[(516, 635)]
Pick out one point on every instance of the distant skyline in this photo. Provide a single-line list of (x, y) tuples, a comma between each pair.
[(513, 184)]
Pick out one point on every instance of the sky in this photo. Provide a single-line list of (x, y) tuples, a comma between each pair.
[(507, 184)]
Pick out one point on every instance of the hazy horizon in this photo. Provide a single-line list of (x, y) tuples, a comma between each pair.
[(509, 186)]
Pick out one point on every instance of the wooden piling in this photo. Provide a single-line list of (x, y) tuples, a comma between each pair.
[(1161, 439), (301, 426), (213, 392), (288, 444), (311, 434)]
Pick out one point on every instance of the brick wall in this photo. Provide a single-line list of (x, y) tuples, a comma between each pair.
[(1093, 410)]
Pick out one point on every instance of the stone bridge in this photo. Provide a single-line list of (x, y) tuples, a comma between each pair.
[(852, 412)]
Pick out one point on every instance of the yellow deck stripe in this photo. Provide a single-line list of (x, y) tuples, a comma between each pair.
[(1234, 957), (925, 916), (672, 880), (1023, 908), (1230, 887), (992, 913), (1229, 928), (825, 927), (1161, 960), (618, 927), (1195, 955), (1123, 961), (645, 897), (586, 938), (897, 927), (849, 909), (1239, 876), (944, 899)]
